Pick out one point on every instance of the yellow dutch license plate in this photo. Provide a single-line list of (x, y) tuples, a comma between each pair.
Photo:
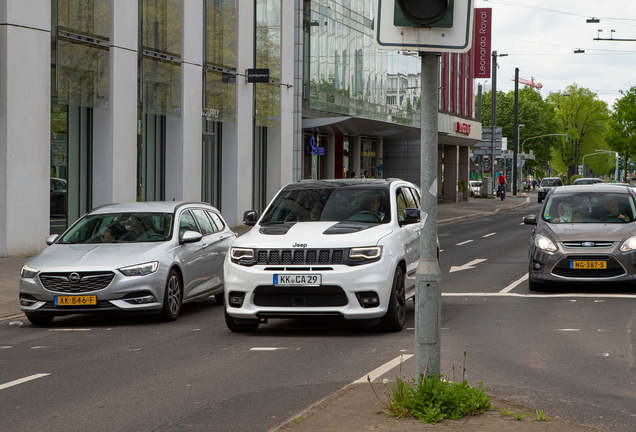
[(588, 265), (75, 300)]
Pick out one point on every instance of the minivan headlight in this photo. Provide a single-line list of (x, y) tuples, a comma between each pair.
[(244, 256), (140, 269), (629, 244), (544, 243), (28, 272), (364, 255)]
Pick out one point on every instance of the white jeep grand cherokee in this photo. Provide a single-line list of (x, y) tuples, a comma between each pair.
[(347, 248)]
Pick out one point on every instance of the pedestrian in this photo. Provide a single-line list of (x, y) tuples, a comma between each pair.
[(366, 174), (534, 184), (354, 174)]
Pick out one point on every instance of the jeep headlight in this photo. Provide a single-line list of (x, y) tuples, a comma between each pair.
[(140, 269), (364, 255), (28, 272), (629, 244), (244, 256), (544, 243)]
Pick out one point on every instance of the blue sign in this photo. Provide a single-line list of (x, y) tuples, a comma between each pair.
[(315, 150)]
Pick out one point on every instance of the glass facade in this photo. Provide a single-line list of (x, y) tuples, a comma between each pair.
[(347, 74), (268, 56), (80, 81), (220, 60)]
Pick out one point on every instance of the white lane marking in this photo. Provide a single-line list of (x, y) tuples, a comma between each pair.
[(22, 380), (568, 330), (441, 250), (265, 349), (6, 346), (522, 223), (68, 330), (463, 243), (38, 347), (466, 266), (514, 284), (376, 373), (497, 294), (488, 235)]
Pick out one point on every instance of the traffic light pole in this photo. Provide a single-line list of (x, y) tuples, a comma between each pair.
[(428, 305)]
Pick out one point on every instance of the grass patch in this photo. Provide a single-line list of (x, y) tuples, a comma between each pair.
[(431, 398)]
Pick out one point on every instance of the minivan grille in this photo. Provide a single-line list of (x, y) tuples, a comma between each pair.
[(614, 268), (594, 244)]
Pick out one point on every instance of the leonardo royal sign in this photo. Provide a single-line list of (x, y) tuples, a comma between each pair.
[(482, 42)]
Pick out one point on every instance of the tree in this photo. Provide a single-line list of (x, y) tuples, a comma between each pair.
[(580, 114), (621, 136)]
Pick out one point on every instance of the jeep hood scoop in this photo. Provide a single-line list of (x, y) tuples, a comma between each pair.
[(345, 227)]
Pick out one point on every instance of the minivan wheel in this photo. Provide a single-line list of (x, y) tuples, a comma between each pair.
[(395, 317), (39, 320), (172, 297), (246, 326)]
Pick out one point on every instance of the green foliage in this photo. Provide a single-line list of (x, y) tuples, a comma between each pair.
[(299, 420), (540, 415), (579, 113), (622, 125), (461, 186), (431, 399), (574, 177)]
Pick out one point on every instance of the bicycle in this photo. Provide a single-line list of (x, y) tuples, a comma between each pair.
[(502, 191)]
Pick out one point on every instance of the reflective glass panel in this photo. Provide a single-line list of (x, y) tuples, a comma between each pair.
[(220, 33), (268, 23), (161, 82), (161, 26), (83, 74), (86, 17)]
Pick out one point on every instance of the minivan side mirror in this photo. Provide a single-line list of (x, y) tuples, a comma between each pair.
[(191, 237), (530, 220), (250, 217), (411, 216)]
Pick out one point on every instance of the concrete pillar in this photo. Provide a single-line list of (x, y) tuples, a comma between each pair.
[(440, 168), (183, 134), (115, 127), (464, 168), (274, 162), (451, 156), (289, 128), (25, 126), (238, 137), (330, 155)]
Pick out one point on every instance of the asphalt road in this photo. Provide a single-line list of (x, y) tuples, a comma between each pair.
[(567, 354)]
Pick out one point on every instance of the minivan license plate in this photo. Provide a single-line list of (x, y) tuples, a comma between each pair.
[(588, 265), (297, 280)]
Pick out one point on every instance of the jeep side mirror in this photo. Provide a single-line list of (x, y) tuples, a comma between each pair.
[(411, 216), (250, 217)]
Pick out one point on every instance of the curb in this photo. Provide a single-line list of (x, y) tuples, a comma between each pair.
[(478, 215)]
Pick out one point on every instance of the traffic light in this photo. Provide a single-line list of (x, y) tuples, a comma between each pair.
[(620, 163), (423, 13)]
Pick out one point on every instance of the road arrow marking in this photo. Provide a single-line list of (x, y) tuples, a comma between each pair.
[(467, 266)]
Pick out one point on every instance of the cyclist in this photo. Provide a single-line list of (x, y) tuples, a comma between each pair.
[(501, 180)]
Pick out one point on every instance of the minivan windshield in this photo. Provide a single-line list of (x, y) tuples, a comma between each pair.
[(589, 207), (551, 182), (120, 228), (355, 204)]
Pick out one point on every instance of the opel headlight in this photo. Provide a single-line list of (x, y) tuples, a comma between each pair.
[(140, 269), (28, 272), (364, 255), (629, 244), (244, 256), (544, 243)]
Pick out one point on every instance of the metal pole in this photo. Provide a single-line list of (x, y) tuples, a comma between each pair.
[(493, 119), (428, 305), (516, 135)]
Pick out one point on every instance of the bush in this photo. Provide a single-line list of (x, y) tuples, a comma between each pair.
[(461, 186)]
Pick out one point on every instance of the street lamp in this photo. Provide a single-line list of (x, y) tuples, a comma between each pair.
[(616, 157), (493, 115)]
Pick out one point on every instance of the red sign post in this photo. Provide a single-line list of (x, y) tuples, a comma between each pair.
[(483, 26)]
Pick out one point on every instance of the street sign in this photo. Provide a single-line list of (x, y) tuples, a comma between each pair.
[(412, 37), (486, 152)]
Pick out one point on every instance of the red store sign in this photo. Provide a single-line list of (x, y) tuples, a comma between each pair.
[(462, 128)]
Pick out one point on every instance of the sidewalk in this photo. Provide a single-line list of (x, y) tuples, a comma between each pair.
[(356, 408), (446, 213)]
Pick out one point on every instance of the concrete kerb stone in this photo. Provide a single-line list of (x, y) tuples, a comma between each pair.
[(478, 215)]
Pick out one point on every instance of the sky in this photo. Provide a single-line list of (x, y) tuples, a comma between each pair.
[(540, 37)]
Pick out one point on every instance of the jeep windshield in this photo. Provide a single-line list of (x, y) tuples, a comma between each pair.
[(340, 204)]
